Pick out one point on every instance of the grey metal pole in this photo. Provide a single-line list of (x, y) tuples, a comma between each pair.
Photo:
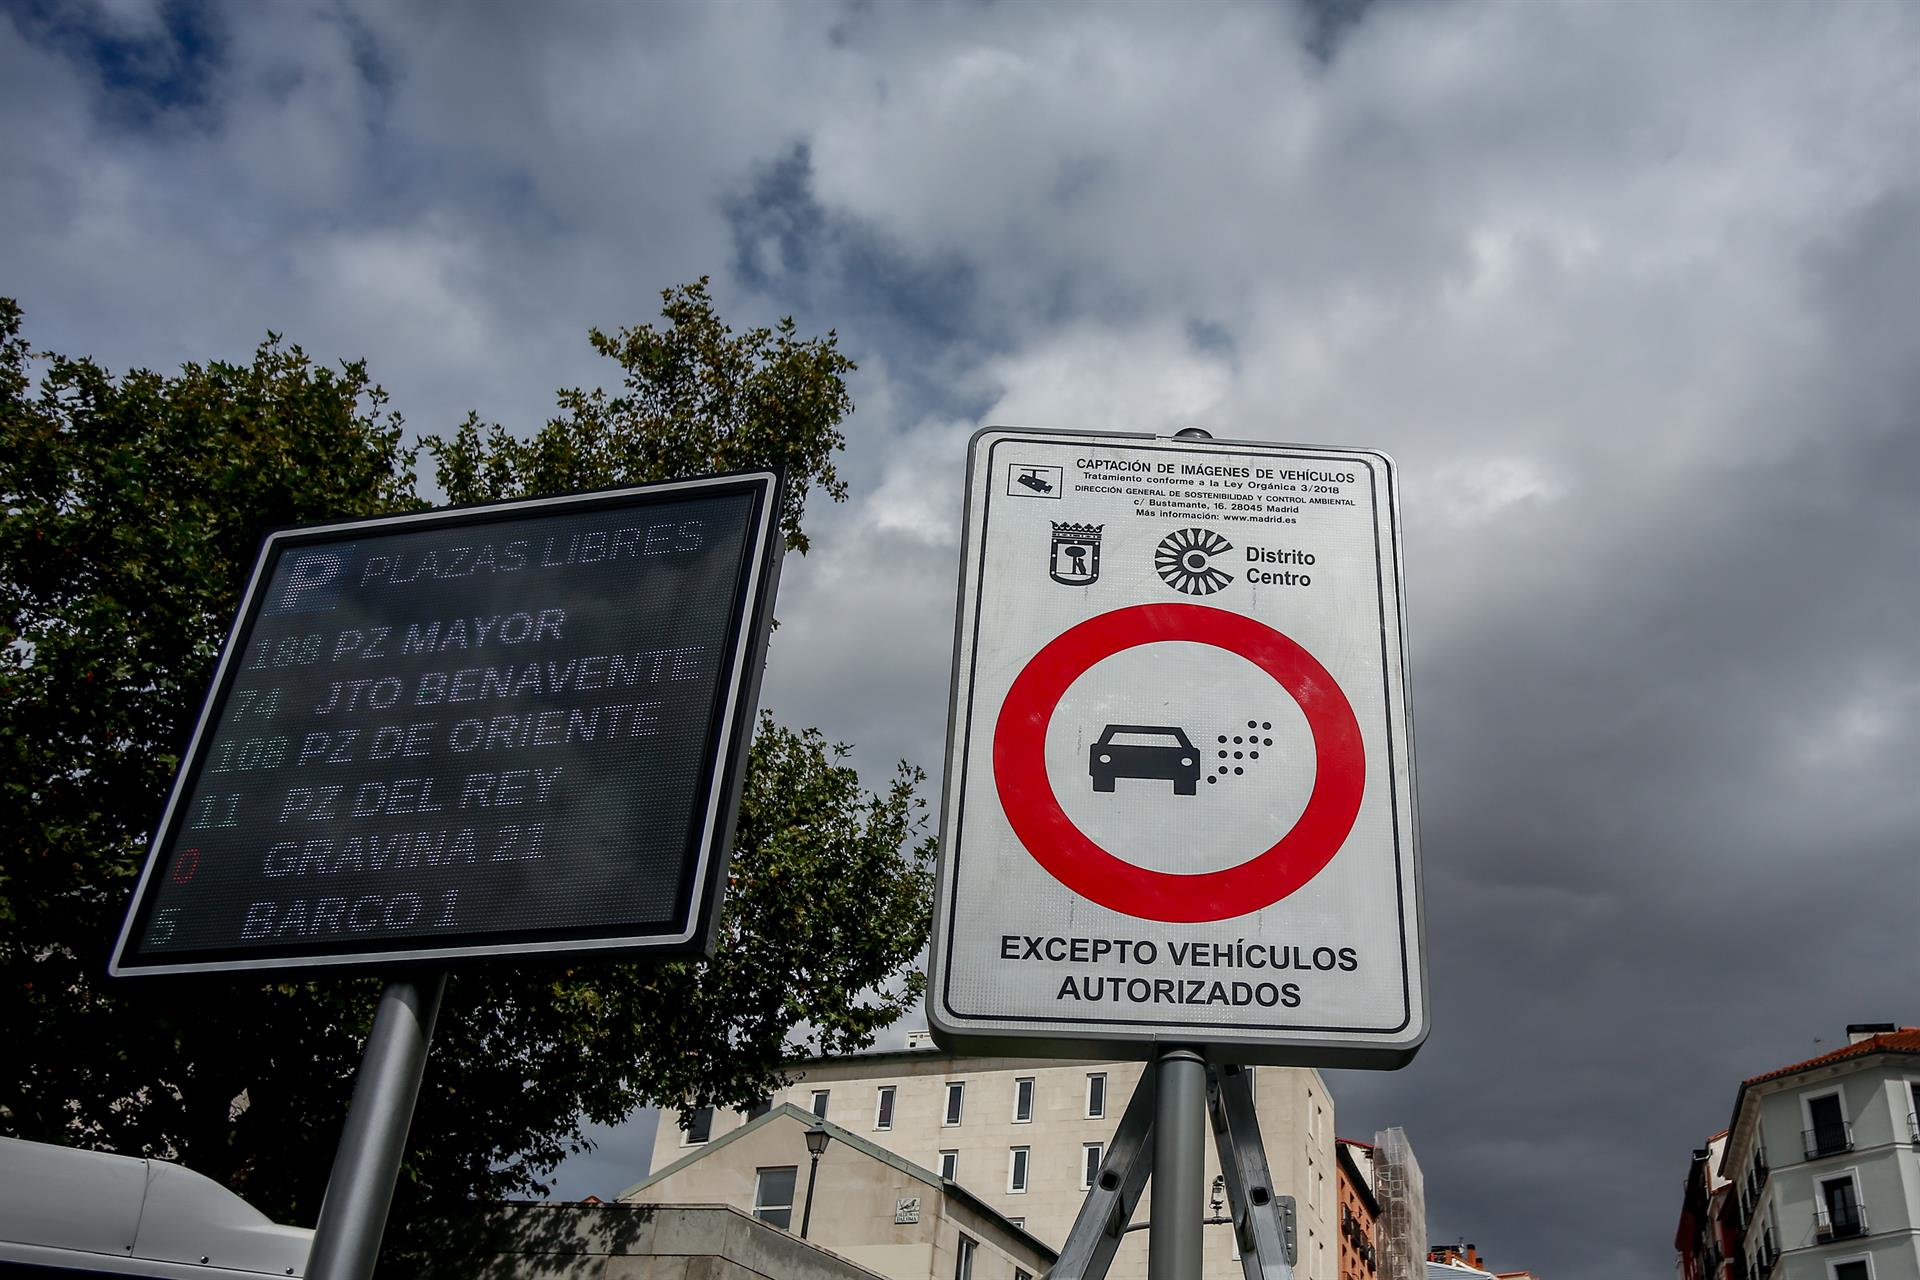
[(1179, 1166), (353, 1217)]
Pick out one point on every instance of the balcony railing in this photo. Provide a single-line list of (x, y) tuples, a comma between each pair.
[(1766, 1255), (1756, 1173), (1827, 1139), (1840, 1223), (1913, 1128)]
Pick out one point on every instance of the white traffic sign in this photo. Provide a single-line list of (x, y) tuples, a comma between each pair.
[(1179, 796)]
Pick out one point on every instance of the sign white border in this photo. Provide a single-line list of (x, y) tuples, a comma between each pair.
[(1236, 1041), (740, 681)]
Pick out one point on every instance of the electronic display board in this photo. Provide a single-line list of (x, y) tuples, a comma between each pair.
[(486, 731)]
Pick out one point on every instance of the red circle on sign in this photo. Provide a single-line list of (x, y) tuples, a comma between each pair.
[(1072, 858)]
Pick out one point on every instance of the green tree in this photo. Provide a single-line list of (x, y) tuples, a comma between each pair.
[(132, 509)]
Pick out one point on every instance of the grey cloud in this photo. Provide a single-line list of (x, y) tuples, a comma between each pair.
[(1627, 294)]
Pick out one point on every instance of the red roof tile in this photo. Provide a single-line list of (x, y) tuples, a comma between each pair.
[(1905, 1040)]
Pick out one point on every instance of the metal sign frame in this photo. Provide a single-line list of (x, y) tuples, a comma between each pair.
[(973, 731), (730, 723)]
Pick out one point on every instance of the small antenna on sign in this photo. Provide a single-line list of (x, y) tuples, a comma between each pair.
[(1193, 433)]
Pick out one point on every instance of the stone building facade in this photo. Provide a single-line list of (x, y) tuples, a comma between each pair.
[(1027, 1136)]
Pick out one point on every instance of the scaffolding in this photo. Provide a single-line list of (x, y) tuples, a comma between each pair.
[(1402, 1194)]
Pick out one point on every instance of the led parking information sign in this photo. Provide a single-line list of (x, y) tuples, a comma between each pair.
[(1179, 799), (490, 731)]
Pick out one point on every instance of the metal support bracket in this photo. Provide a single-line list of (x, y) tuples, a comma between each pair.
[(1263, 1222), (1103, 1217)]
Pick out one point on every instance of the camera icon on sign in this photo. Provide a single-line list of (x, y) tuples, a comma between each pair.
[(1024, 481)]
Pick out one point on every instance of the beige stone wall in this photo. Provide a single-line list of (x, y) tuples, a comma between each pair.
[(609, 1242), (1296, 1117), (854, 1206)]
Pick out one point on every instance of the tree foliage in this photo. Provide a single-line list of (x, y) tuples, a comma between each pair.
[(695, 397), (132, 509)]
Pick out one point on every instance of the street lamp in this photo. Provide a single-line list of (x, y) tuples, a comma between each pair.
[(817, 1139)]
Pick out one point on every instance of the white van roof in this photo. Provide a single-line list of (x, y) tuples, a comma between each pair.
[(121, 1215)]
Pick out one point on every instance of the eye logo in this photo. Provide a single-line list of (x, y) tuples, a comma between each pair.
[(1185, 559)]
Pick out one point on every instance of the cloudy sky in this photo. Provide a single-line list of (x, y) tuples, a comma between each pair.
[(1628, 289)]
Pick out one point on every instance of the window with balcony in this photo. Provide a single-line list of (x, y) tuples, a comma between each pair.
[(1023, 1100), (883, 1108), (1769, 1250), (1837, 1212), (1827, 1132), (1757, 1172), (1766, 1253)]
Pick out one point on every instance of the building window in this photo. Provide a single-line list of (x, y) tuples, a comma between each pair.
[(1913, 1112), (773, 1195), (949, 1165), (758, 1109), (883, 1109), (1021, 1273), (1019, 1222), (1860, 1268), (820, 1103), (1090, 1153), (1837, 1213), (1017, 1158), (696, 1126), (1096, 1094), (1827, 1132), (1023, 1100), (963, 1258), (956, 1099)]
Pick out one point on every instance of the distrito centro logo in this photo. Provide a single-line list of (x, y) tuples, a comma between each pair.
[(1186, 559)]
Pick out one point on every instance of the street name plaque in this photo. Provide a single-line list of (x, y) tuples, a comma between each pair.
[(499, 730)]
